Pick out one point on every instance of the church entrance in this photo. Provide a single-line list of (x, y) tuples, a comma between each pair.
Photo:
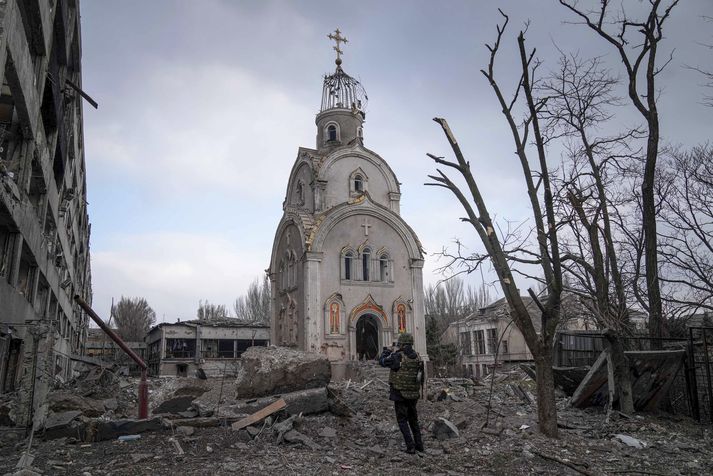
[(367, 337)]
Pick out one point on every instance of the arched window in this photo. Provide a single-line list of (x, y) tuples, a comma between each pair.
[(348, 258), (358, 183), (331, 132), (365, 257), (282, 276), (384, 268)]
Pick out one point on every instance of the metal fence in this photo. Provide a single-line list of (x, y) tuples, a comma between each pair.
[(700, 357)]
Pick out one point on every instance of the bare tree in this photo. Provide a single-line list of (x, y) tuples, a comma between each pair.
[(134, 317), (207, 311), (503, 257), (254, 306), (687, 230), (637, 42), (580, 96)]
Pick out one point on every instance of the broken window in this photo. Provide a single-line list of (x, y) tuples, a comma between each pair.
[(209, 348), (504, 347), (492, 340), (358, 183), (180, 348), (384, 268), (465, 343), (479, 337), (10, 136), (243, 344), (26, 278), (7, 240)]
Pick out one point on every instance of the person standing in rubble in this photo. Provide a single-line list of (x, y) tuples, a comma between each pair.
[(405, 383)]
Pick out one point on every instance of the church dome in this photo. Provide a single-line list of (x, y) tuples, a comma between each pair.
[(341, 91)]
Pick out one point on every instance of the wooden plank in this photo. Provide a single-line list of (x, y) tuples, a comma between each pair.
[(260, 414)]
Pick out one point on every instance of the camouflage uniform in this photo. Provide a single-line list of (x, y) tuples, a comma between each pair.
[(405, 365)]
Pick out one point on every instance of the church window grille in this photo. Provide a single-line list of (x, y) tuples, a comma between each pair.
[(334, 318), (384, 268), (401, 314), (348, 258), (366, 257)]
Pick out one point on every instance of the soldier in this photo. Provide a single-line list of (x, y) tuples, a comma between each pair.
[(405, 381)]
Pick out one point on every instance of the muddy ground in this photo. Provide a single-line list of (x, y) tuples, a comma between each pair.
[(368, 441)]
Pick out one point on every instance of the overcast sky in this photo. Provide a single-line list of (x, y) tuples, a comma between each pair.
[(203, 105)]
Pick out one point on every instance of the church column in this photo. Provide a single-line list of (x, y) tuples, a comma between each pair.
[(274, 310), (419, 319), (313, 330)]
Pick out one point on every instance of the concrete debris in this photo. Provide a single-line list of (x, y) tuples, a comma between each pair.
[(65, 401), (327, 432), (443, 429), (186, 430), (276, 370), (631, 441), (294, 436)]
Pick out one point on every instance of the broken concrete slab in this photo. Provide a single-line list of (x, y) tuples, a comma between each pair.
[(97, 430), (306, 402), (58, 425), (175, 405), (62, 401), (444, 429), (276, 370), (327, 432), (652, 373), (294, 436)]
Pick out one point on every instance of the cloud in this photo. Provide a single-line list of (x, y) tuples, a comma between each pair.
[(174, 270), (190, 127)]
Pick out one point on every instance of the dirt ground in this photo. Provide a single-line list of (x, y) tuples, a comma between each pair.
[(368, 441)]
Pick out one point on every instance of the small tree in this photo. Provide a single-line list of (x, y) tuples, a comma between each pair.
[(255, 305), (134, 317), (207, 311)]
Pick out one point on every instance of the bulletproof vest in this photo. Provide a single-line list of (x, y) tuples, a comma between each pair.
[(405, 380)]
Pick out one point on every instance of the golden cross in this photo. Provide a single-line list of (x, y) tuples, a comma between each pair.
[(338, 38)]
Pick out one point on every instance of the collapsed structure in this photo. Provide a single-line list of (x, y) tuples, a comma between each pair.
[(346, 269), (44, 225)]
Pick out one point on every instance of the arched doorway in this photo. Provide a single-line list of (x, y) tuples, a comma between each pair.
[(367, 337)]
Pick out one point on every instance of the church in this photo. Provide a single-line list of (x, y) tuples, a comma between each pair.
[(346, 269)]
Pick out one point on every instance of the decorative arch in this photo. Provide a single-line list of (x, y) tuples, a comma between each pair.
[(365, 208), (334, 316), (369, 306), (364, 154), (401, 312)]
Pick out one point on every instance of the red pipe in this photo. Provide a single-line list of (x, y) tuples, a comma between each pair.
[(143, 385)]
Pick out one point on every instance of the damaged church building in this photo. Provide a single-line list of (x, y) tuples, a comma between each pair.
[(346, 268), (44, 225)]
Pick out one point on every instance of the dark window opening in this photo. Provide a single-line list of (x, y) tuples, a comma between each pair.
[(332, 133), (366, 257), (384, 268), (358, 183), (244, 344), (180, 348), (348, 265)]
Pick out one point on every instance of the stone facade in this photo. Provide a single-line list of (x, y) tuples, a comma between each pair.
[(346, 269), (44, 226)]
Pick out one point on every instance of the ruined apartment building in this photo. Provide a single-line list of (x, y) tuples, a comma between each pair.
[(44, 226)]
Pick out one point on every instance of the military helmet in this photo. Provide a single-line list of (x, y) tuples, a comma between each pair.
[(405, 338)]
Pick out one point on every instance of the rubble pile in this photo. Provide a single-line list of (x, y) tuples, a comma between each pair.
[(470, 427)]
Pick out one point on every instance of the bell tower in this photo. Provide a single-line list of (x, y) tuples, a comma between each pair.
[(342, 112)]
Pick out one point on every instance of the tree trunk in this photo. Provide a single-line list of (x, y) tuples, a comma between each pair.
[(546, 405), (619, 375)]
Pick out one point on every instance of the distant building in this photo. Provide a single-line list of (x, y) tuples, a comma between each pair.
[(100, 346), (181, 348), (44, 225), (477, 336)]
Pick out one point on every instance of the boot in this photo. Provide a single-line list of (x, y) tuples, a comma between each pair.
[(418, 442), (406, 431)]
